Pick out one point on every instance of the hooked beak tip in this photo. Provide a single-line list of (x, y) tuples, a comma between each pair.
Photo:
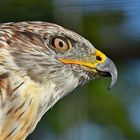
[(108, 69)]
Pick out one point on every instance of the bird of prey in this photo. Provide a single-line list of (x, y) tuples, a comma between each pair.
[(40, 63)]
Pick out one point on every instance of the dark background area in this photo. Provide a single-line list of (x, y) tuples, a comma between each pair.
[(92, 112)]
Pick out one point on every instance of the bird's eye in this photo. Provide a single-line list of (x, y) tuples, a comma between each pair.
[(60, 43)]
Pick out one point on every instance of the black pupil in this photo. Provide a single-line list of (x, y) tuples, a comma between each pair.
[(61, 44), (98, 58)]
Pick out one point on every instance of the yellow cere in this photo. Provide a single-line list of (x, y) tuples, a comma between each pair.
[(84, 63), (101, 55)]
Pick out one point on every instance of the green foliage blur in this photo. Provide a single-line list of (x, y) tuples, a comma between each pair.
[(92, 112)]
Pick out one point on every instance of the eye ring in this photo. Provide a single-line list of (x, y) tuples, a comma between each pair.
[(60, 43)]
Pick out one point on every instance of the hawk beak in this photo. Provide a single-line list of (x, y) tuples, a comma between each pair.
[(103, 66), (108, 69)]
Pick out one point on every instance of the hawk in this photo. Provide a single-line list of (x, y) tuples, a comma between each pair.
[(40, 63)]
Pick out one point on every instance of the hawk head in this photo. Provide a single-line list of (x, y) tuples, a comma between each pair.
[(50, 52), (39, 64)]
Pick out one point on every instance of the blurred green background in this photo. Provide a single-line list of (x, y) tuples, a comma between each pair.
[(92, 112)]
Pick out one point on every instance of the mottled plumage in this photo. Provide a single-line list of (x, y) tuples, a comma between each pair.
[(40, 63)]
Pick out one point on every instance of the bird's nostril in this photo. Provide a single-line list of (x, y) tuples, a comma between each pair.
[(98, 58)]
